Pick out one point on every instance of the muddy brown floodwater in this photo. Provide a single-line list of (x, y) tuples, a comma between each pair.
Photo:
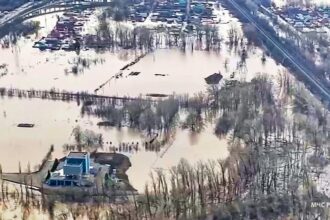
[(184, 73), (162, 71), (54, 122)]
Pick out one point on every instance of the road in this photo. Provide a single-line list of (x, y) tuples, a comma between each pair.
[(312, 79), (30, 7), (11, 16), (26, 8)]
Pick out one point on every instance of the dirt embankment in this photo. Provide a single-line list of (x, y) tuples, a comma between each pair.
[(33, 179)]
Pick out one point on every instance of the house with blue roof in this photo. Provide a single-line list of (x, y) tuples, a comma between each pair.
[(72, 172)]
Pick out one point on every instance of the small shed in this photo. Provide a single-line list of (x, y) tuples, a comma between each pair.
[(213, 79)]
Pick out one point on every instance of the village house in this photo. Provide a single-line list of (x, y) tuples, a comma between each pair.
[(75, 171), (311, 18)]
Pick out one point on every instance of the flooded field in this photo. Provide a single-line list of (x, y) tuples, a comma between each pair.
[(55, 121), (164, 71), (201, 143), (184, 73), (42, 70), (31, 68)]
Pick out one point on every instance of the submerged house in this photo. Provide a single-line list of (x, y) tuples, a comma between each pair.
[(74, 171)]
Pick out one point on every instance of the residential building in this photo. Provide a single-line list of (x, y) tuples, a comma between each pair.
[(73, 172)]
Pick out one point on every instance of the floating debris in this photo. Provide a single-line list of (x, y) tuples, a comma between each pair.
[(134, 73), (25, 125), (157, 95), (134, 61), (106, 124)]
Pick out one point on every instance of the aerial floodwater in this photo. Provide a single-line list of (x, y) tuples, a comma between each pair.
[(30, 68), (27, 67), (150, 110), (184, 73)]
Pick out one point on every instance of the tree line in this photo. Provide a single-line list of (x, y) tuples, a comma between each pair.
[(267, 174)]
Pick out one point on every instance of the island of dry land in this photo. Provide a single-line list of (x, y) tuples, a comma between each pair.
[(107, 177)]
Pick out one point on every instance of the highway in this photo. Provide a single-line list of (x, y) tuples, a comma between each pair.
[(13, 14), (30, 7), (312, 79)]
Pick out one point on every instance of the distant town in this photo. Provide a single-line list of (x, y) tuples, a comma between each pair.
[(312, 18)]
